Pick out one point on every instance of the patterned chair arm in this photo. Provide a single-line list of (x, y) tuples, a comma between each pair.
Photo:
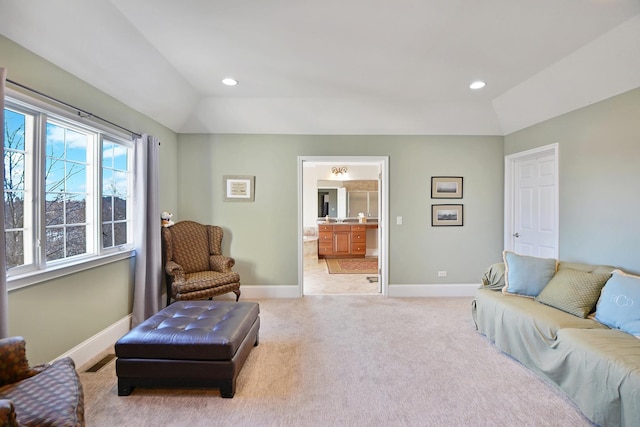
[(175, 270), (221, 263), (14, 365), (7, 414)]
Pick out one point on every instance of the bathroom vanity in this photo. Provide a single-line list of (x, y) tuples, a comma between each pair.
[(347, 240)]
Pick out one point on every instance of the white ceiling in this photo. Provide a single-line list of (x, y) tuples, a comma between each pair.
[(340, 66)]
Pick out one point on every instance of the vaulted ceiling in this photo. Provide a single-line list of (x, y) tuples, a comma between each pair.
[(340, 66)]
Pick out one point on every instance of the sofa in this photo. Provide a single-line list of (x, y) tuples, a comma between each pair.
[(43, 395), (575, 325)]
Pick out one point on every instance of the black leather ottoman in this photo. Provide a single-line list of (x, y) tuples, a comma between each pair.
[(189, 344)]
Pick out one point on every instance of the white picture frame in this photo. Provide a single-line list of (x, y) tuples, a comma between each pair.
[(239, 188)]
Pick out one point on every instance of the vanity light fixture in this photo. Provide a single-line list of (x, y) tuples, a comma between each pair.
[(338, 170), (478, 84), (229, 81)]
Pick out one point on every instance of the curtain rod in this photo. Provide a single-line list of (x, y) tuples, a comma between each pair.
[(81, 113)]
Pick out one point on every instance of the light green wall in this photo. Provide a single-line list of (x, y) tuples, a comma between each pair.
[(599, 179), (262, 236), (55, 316)]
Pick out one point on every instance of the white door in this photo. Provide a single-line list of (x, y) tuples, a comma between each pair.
[(531, 198)]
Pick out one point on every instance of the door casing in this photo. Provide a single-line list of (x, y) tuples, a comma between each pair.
[(383, 219)]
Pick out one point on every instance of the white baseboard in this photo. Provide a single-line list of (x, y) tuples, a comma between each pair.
[(87, 350), (453, 290)]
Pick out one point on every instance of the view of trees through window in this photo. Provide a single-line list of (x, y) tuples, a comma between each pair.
[(115, 189), (14, 186), (65, 192), (77, 217)]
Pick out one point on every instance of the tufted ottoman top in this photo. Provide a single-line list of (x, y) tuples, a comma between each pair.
[(191, 330)]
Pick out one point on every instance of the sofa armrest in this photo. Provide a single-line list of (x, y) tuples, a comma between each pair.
[(221, 263), (175, 270), (7, 414), (13, 360), (493, 277)]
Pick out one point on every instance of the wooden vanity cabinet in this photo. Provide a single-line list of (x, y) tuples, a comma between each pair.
[(325, 240), (342, 240), (358, 240)]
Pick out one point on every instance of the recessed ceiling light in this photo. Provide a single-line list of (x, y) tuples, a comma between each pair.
[(477, 85), (229, 81)]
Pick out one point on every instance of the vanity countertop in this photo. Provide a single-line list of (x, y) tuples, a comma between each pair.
[(349, 221)]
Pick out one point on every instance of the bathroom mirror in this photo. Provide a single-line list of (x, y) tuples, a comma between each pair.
[(347, 199)]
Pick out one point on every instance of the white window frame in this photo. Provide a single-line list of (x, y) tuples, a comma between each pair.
[(41, 271)]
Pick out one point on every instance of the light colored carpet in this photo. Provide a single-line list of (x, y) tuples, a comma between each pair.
[(353, 361)]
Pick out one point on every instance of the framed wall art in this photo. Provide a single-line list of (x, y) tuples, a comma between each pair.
[(239, 188), (446, 215), (446, 187)]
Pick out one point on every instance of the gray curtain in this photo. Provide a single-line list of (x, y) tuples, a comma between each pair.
[(147, 293), (4, 295)]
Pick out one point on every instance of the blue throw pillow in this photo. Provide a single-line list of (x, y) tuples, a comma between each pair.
[(619, 303), (527, 275)]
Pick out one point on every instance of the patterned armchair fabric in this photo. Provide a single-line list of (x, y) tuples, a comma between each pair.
[(14, 365), (194, 265), (44, 395)]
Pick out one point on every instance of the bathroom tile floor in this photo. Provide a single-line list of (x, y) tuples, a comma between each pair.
[(318, 281)]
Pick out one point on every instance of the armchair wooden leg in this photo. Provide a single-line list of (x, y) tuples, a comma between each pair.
[(237, 294)]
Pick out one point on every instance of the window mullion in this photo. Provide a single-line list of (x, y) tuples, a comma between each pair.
[(39, 191), (94, 190)]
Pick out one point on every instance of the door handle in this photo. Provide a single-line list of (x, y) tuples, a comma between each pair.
[(516, 235)]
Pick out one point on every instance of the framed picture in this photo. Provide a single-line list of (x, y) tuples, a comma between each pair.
[(446, 187), (446, 215), (239, 188)]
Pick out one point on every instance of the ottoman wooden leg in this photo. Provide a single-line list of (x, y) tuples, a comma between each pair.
[(228, 389), (124, 388)]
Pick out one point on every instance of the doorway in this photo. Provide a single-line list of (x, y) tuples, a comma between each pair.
[(320, 190), (532, 202)]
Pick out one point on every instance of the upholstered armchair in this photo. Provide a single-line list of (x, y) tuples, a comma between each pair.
[(193, 263)]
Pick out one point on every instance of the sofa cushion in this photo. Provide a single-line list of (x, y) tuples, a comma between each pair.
[(522, 327), (527, 275), (573, 291), (600, 370), (619, 303)]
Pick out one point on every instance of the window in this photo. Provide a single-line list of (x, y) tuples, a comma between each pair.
[(18, 185), (116, 179), (67, 191), (66, 211)]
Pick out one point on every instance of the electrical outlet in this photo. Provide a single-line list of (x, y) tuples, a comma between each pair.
[(399, 220), (442, 274)]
